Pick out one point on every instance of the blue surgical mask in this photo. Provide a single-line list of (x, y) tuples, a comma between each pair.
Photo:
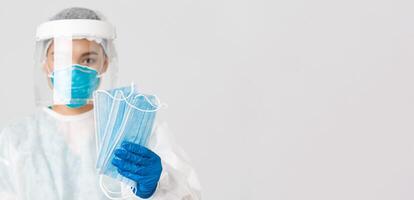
[(121, 115), (75, 84)]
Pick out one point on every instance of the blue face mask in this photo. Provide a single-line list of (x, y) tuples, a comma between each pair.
[(75, 84), (121, 115)]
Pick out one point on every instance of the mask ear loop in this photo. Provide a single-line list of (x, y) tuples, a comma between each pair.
[(158, 105), (48, 71), (108, 192), (123, 97)]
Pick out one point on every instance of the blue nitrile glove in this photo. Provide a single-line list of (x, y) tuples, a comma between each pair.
[(140, 164)]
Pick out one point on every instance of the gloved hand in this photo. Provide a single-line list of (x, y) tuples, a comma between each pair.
[(140, 164)]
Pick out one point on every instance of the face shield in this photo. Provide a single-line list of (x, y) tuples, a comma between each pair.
[(73, 58)]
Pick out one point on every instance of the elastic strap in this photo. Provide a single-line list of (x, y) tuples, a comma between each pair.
[(108, 193), (158, 105)]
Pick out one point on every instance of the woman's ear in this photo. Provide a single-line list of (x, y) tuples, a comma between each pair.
[(45, 66), (48, 59), (105, 64)]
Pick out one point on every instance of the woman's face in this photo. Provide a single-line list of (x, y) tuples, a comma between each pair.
[(84, 52)]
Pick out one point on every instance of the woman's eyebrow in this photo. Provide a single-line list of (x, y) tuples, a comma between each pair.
[(84, 54), (89, 53)]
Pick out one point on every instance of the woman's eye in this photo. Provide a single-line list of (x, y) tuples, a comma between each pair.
[(89, 61)]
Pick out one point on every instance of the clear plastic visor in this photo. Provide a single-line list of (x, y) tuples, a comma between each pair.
[(71, 68)]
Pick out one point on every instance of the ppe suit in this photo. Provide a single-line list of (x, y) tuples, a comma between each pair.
[(52, 156)]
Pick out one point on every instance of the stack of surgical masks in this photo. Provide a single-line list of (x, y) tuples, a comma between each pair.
[(121, 114)]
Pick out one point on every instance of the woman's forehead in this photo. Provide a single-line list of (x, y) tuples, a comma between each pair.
[(77, 46)]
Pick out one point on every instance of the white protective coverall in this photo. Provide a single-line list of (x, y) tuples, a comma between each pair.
[(52, 156)]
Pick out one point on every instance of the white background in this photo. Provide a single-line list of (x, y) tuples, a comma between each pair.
[(287, 100)]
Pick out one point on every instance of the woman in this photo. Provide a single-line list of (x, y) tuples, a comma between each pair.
[(52, 154)]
